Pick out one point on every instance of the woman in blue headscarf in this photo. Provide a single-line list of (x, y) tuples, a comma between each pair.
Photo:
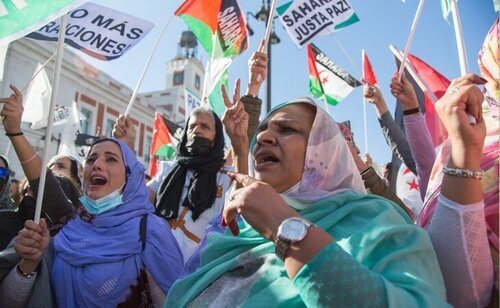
[(116, 253), (309, 234)]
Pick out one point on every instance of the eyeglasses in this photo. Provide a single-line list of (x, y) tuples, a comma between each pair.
[(4, 172)]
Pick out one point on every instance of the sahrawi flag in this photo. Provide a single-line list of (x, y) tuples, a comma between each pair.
[(305, 19), (163, 143), (220, 27), (327, 80), (20, 17), (100, 32)]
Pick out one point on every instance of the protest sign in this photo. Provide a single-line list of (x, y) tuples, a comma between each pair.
[(191, 101), (100, 32), (304, 19)]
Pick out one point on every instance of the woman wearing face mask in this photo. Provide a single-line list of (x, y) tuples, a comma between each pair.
[(116, 252), (310, 235)]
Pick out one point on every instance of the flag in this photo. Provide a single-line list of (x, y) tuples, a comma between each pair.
[(488, 60), (429, 86), (220, 27), (408, 190), (191, 101), (446, 8), (368, 74), (37, 100), (163, 143), (327, 80), (215, 98), (20, 17), (305, 19), (68, 137), (98, 31)]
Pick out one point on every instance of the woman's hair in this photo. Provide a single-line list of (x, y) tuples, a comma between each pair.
[(202, 110), (70, 189)]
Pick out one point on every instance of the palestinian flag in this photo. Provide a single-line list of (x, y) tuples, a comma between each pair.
[(220, 27), (327, 80), (368, 74), (164, 142)]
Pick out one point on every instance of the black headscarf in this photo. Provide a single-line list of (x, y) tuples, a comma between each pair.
[(202, 188)]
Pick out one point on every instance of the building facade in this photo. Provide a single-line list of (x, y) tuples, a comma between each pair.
[(99, 98)]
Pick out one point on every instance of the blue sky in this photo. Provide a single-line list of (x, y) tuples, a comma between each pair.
[(381, 23)]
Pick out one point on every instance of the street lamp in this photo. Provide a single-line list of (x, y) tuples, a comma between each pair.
[(263, 15)]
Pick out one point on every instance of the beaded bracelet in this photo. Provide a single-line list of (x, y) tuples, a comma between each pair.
[(463, 173)]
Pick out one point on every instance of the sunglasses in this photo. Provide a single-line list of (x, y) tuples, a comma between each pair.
[(4, 172)]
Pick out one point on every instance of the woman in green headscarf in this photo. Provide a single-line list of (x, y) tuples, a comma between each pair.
[(309, 234)]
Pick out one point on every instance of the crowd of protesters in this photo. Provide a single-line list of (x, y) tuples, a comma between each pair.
[(290, 215)]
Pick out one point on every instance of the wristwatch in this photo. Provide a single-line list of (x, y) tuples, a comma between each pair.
[(290, 231)]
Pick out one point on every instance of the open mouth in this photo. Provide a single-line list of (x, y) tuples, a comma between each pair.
[(265, 159), (97, 180)]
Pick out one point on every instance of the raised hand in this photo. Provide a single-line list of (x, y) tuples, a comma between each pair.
[(404, 92), (257, 70), (12, 111), (124, 130), (463, 97), (260, 205), (235, 119)]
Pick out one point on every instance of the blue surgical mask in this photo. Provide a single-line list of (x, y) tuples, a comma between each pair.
[(104, 204)]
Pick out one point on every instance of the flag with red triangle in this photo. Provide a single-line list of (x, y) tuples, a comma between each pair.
[(163, 142), (220, 27), (326, 79), (368, 74)]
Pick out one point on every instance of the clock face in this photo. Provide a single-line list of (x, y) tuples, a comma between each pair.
[(294, 230)]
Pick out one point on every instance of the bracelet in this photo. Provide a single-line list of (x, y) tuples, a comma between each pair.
[(463, 173), (23, 274), (411, 111), (13, 134), (29, 159)]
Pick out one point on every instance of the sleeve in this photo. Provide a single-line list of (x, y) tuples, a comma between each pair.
[(162, 255), (157, 180), (375, 185), (15, 290), (57, 208), (394, 267), (397, 141), (253, 107), (421, 147), (458, 233)]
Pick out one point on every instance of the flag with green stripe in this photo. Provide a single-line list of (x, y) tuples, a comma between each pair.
[(326, 79), (20, 17)]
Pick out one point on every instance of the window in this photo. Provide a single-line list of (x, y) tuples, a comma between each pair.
[(179, 78), (197, 81), (85, 117), (109, 128), (147, 147)]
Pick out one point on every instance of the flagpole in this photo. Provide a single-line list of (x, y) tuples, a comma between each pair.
[(462, 55), (365, 124), (50, 121), (410, 37), (148, 62), (205, 84), (344, 51), (23, 90), (269, 24)]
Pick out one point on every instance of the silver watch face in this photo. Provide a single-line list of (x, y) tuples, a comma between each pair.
[(294, 230)]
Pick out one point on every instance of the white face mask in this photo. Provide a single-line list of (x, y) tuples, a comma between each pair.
[(104, 204)]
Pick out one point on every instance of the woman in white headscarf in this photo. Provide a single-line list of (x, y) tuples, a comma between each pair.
[(309, 234)]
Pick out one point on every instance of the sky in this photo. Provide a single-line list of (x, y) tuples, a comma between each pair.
[(381, 23)]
